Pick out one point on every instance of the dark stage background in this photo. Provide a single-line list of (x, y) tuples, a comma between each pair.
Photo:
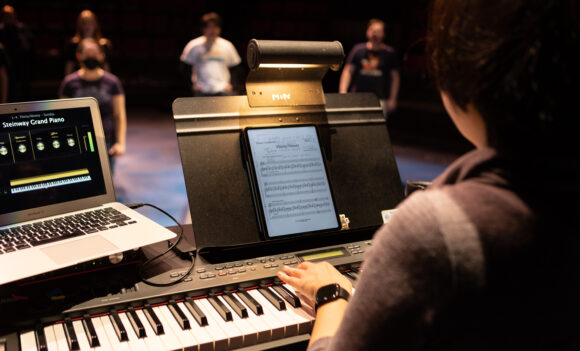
[(148, 37)]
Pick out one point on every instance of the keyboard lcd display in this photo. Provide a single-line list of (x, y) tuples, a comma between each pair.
[(290, 180), (322, 255)]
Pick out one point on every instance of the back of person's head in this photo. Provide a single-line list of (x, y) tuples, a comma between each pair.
[(212, 18), (87, 26), (516, 61)]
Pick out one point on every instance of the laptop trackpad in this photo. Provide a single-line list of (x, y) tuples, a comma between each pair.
[(79, 250)]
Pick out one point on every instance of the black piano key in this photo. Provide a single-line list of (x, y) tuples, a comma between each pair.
[(352, 275), (287, 295), (118, 326), (40, 338), (153, 320), (136, 323), (178, 314), (196, 312), (219, 306), (90, 331), (251, 302), (71, 336), (236, 305), (275, 300)]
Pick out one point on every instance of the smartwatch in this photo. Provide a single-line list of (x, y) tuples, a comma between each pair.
[(329, 293)]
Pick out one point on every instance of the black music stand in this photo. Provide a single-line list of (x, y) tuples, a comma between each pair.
[(359, 155)]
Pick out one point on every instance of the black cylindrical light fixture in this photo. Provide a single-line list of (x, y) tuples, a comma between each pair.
[(288, 52)]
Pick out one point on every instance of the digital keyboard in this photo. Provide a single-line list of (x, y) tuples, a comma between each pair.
[(223, 306)]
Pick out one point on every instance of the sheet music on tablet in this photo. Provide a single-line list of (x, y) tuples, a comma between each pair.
[(292, 180)]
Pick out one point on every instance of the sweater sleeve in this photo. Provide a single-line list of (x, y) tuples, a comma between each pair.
[(407, 279)]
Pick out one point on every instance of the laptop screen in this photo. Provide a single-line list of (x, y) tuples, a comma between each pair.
[(48, 157)]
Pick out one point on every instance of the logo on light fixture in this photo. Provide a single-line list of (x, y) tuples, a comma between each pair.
[(281, 97)]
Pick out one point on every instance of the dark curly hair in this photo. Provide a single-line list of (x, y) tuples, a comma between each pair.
[(516, 61)]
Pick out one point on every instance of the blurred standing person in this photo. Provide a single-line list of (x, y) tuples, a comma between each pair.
[(373, 67), (210, 57), (87, 27), (19, 47), (92, 80)]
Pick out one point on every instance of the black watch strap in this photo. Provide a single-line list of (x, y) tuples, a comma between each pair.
[(329, 293)]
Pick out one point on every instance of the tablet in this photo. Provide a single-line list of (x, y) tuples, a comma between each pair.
[(289, 180)]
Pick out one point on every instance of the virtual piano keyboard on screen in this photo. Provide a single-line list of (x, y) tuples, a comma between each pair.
[(219, 306)]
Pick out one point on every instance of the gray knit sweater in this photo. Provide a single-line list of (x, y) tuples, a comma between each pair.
[(464, 265)]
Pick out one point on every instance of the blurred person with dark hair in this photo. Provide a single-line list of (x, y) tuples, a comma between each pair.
[(486, 257), (92, 80), (211, 57), (19, 48), (87, 26), (373, 67)]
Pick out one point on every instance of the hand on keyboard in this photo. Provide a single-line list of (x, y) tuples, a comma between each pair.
[(308, 277)]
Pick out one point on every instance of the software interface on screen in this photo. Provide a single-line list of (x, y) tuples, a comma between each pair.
[(292, 181), (48, 157)]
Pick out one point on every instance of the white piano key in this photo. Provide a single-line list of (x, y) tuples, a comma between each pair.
[(168, 337), (102, 334), (264, 331), (28, 341), (116, 344), (219, 337), (186, 339), (60, 336), (305, 307), (248, 331), (51, 344), (302, 318), (276, 327), (200, 333), (81, 335), (290, 325), (235, 336), (153, 340), (135, 343)]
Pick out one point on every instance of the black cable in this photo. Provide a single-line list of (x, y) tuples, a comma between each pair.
[(170, 245)]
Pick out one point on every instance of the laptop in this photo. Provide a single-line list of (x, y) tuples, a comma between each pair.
[(57, 202)]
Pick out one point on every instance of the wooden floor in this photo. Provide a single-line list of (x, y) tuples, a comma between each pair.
[(151, 172)]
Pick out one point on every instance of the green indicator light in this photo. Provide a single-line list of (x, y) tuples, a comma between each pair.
[(90, 135)]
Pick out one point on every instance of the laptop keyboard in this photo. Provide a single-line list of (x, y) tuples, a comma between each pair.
[(44, 232)]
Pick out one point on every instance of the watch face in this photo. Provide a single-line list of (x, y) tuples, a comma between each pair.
[(327, 293)]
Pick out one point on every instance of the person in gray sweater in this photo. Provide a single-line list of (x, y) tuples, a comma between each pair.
[(488, 256)]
